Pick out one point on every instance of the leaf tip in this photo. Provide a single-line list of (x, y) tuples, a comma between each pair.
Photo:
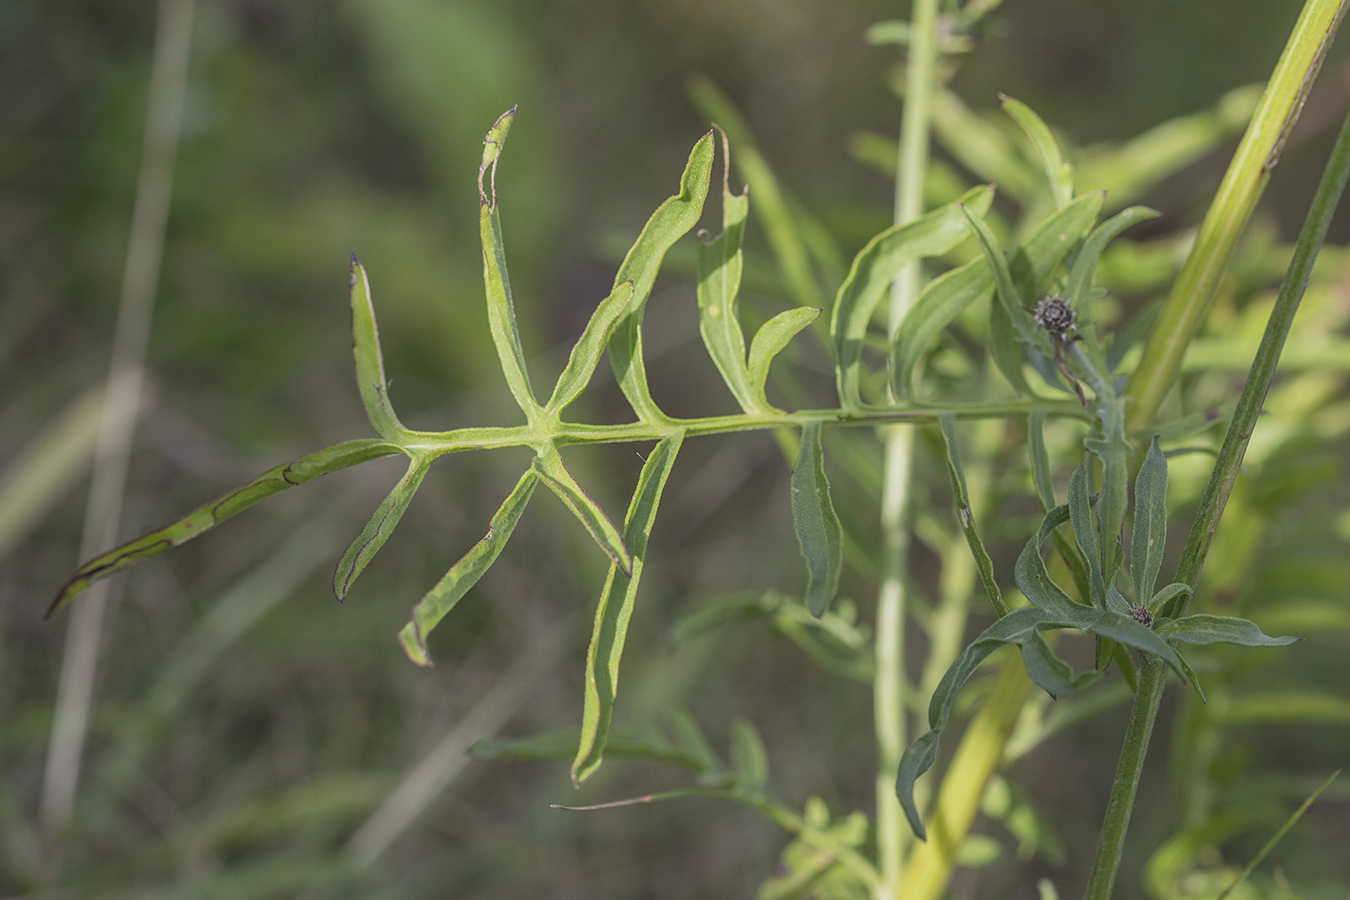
[(414, 646)]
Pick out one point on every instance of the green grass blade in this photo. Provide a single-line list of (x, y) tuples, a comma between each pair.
[(208, 516), (501, 310), (586, 353), (671, 220), (819, 534), (769, 341), (966, 518), (362, 550), (370, 378), (1278, 836), (875, 268), (615, 610), (1059, 172), (464, 574), (719, 265), (1150, 523), (550, 467)]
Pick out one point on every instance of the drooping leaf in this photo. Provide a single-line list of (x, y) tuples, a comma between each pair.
[(769, 341), (550, 467), (586, 353), (501, 310), (1207, 629), (382, 523), (1053, 674), (1150, 523), (819, 534), (1059, 172), (719, 264), (464, 574), (919, 756), (208, 516), (983, 564), (615, 609), (1032, 576), (671, 220), (370, 378), (875, 268), (1085, 533)]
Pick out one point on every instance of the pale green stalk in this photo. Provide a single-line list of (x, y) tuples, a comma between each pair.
[(893, 835)]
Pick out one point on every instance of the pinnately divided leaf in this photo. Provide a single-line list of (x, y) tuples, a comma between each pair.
[(671, 220), (615, 609), (819, 534), (369, 360), (769, 341), (875, 267), (501, 310), (589, 348), (208, 516), (362, 550), (464, 574), (719, 264), (549, 466)]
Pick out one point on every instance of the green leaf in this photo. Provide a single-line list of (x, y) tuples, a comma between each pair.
[(875, 268), (918, 758), (936, 307), (947, 297), (1059, 172), (749, 759), (965, 517), (1053, 674), (1085, 533), (769, 341), (836, 644), (719, 265), (370, 378), (362, 550), (1085, 264), (208, 516), (550, 467), (819, 534), (615, 609), (1040, 459), (1009, 296), (585, 355), (1150, 523), (464, 574), (1207, 629), (1032, 576), (671, 220), (1287, 706), (712, 616), (501, 311), (1112, 447), (1005, 348)]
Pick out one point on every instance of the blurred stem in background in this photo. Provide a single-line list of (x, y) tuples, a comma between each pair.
[(126, 374), (889, 694)]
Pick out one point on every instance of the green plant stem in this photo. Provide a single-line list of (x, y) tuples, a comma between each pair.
[(145, 247), (1228, 214), (888, 698), (1152, 676)]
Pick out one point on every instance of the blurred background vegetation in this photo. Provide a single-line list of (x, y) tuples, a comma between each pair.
[(246, 726)]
